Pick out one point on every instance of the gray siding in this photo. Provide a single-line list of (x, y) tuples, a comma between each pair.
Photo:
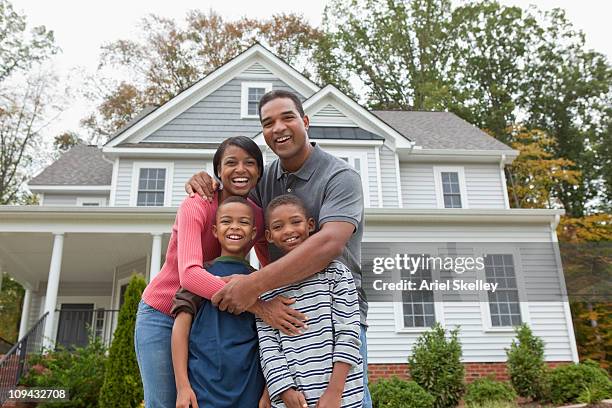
[(373, 178), (484, 186), (329, 115), (214, 118), (69, 199), (547, 319), (388, 175), (183, 170), (418, 189), (124, 182)]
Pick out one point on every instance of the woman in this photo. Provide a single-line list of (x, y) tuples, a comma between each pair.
[(238, 162)]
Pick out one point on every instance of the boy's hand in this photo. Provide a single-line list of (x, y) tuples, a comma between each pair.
[(185, 398), (330, 399), (202, 184), (264, 401), (293, 398), (279, 315)]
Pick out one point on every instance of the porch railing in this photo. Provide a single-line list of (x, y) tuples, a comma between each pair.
[(15, 363)]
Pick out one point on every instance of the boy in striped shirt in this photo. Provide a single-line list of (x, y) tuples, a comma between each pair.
[(321, 367)]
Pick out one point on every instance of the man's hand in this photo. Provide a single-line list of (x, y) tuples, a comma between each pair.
[(330, 399), (264, 401), (202, 184), (185, 398), (237, 295), (293, 398), (279, 315)]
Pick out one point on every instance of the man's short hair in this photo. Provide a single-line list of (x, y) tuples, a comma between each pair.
[(237, 199), (280, 93), (286, 199)]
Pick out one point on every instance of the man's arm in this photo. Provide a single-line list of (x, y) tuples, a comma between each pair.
[(319, 249)]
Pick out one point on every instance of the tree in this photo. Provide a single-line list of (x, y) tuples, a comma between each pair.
[(122, 385), (11, 297), (65, 140), (170, 57), (24, 98)]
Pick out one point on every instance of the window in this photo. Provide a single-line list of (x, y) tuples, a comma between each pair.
[(504, 304), (151, 184), (251, 94), (450, 187), (418, 305)]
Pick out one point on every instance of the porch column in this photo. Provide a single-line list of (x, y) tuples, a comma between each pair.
[(52, 287), (25, 313), (156, 247)]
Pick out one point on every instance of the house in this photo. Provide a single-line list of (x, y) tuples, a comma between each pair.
[(433, 184)]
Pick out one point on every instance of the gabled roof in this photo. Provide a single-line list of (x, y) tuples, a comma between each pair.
[(147, 124), (341, 133), (81, 165), (440, 130)]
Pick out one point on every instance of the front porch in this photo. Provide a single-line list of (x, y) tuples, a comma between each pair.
[(75, 264)]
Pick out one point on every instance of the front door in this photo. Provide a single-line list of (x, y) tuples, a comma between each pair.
[(74, 324)]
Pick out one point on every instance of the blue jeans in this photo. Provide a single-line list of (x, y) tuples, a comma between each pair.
[(367, 398), (152, 341)]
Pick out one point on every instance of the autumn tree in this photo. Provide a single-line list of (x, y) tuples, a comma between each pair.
[(24, 98), (169, 57)]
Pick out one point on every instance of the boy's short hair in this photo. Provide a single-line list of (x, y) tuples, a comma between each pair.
[(286, 199), (236, 199)]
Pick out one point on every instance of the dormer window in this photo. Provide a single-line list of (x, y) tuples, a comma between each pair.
[(251, 94), (450, 187), (151, 184)]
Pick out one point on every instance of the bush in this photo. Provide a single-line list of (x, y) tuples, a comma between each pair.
[(122, 385), (80, 371), (395, 393), (435, 364), (584, 382), (526, 363), (484, 392)]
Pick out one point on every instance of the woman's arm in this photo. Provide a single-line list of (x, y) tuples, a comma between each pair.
[(180, 346)]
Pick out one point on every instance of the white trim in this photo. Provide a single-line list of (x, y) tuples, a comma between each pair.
[(137, 165), (161, 152), (566, 307), (502, 175), (213, 81), (485, 313), (400, 198), (438, 170), (344, 142), (101, 201), (42, 199), (378, 178), (244, 97), (456, 155), (362, 155), (72, 187), (113, 190)]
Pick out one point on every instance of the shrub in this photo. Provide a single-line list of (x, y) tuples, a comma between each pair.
[(584, 382), (435, 364), (122, 385), (80, 371), (526, 363), (395, 393), (484, 392)]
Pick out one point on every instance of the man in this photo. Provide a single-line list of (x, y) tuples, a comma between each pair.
[(331, 190)]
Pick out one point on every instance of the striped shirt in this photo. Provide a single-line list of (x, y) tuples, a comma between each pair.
[(305, 362)]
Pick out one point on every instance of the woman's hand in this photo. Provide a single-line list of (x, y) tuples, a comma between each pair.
[(279, 315), (264, 401), (294, 399), (201, 183), (185, 398)]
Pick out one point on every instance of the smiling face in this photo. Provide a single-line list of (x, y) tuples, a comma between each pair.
[(238, 171), (288, 226), (234, 228), (285, 131)]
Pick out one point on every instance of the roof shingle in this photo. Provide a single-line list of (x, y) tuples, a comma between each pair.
[(82, 165)]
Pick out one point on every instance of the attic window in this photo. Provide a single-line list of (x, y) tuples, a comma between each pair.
[(251, 94), (450, 187)]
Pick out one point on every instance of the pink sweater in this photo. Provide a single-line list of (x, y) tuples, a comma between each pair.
[(191, 245)]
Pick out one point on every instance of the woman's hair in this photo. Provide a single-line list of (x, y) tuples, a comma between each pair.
[(246, 144)]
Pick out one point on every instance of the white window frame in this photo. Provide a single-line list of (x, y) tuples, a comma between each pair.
[(100, 201), (438, 170), (485, 313), (169, 166), (351, 155), (398, 304), (244, 97)]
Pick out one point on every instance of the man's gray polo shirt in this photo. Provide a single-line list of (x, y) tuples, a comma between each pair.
[(331, 190)]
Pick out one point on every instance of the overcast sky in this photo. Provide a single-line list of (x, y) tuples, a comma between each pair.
[(81, 27)]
